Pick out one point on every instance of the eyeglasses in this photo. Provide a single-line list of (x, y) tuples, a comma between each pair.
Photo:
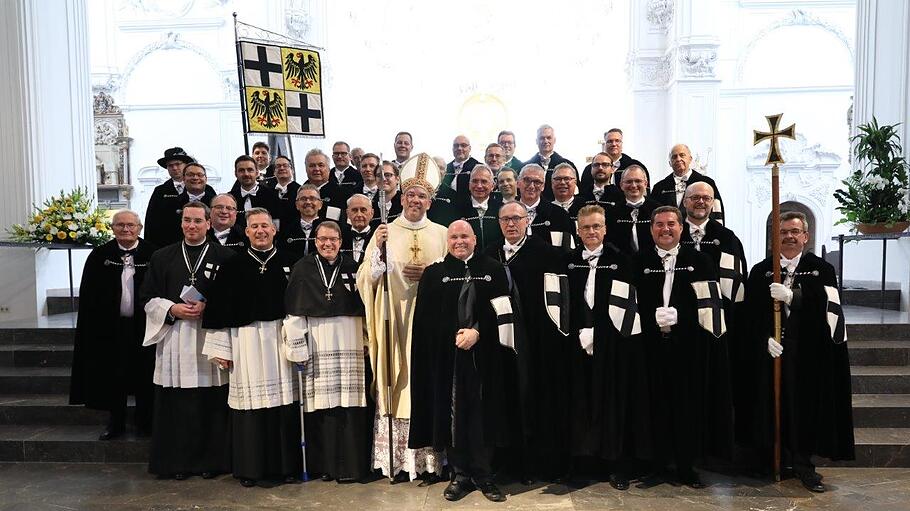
[(592, 227), (700, 198), (511, 219), (309, 199), (224, 208), (532, 182), (328, 239), (563, 179), (461, 145), (340, 153), (791, 232), (121, 225), (602, 164), (193, 174)]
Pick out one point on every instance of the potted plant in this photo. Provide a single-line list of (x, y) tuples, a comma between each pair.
[(877, 195)]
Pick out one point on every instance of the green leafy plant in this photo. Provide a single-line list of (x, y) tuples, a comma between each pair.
[(878, 191), (69, 218)]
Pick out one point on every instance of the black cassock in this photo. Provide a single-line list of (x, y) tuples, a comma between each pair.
[(192, 429), (552, 224), (339, 439), (265, 441), (486, 226), (347, 241), (692, 414), (294, 240), (109, 361), (816, 397), (444, 209), (236, 239), (729, 258), (621, 221), (610, 395), (537, 375), (625, 161), (441, 372), (162, 216), (664, 192)]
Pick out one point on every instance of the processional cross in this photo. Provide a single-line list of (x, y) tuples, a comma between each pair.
[(775, 158)]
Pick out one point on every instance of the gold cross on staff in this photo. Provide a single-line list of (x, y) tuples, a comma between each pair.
[(774, 155)]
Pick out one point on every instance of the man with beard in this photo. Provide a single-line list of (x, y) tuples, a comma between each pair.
[(537, 375), (462, 322), (109, 361), (709, 236), (506, 139), (369, 167), (244, 320), (413, 243), (286, 188), (248, 192), (671, 189), (326, 318), (224, 224), (612, 147), (458, 171), (493, 156), (333, 196), (404, 143), (357, 233), (547, 220), (480, 209), (298, 236), (601, 190), (192, 433), (547, 157), (628, 223), (610, 391), (344, 174), (816, 398), (683, 324)]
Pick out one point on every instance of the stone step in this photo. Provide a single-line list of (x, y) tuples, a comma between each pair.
[(68, 444), (881, 410), (859, 297), (877, 332), (878, 447), (36, 355), (879, 353), (34, 380), (47, 409), (880, 379), (63, 335)]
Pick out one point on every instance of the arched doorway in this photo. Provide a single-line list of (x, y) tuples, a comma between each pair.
[(791, 206)]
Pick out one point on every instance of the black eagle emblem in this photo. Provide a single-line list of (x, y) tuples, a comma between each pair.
[(301, 71), (268, 109)]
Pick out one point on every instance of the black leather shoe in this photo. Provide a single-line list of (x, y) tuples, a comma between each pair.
[(208, 475), (110, 434), (456, 490), (291, 480), (180, 476), (691, 479), (619, 482), (812, 482), (491, 491), (326, 477), (247, 483), (650, 481)]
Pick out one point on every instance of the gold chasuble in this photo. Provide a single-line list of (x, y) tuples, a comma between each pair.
[(409, 242)]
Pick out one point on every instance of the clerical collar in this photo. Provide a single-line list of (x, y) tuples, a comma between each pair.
[(135, 244), (420, 224), (187, 243), (266, 251), (635, 204), (684, 177), (483, 204)]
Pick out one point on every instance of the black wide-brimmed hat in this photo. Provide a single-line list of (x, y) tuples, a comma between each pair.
[(175, 153)]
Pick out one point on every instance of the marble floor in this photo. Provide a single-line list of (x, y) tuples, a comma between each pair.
[(127, 487)]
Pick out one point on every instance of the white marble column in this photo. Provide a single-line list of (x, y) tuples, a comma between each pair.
[(45, 132), (883, 90)]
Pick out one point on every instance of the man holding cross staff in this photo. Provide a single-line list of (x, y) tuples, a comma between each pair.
[(388, 286), (812, 400)]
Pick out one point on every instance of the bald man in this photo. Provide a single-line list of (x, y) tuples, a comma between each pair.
[(670, 190)]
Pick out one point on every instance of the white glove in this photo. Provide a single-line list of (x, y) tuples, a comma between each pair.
[(774, 348), (665, 316), (586, 338), (377, 265), (781, 293)]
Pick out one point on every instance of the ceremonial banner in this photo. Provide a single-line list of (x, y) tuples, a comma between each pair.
[(282, 89)]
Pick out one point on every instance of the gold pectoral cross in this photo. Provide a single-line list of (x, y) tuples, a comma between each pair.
[(415, 249)]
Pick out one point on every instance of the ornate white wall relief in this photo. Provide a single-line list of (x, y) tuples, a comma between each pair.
[(660, 14)]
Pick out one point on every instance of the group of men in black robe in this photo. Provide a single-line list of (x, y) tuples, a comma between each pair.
[(619, 314)]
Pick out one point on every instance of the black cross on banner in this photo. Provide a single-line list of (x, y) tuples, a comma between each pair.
[(630, 307), (267, 71), (711, 302), (303, 108)]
